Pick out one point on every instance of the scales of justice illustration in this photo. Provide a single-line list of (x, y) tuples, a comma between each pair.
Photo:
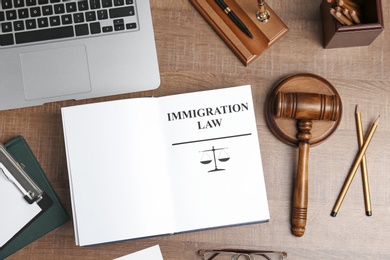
[(207, 159)]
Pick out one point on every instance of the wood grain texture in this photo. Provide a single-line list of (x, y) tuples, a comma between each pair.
[(193, 58)]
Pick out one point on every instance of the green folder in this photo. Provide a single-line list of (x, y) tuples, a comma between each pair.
[(50, 218)]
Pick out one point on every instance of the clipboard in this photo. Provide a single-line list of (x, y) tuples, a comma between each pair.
[(21, 199), (48, 219)]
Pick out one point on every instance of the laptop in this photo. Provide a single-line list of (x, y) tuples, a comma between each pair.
[(53, 50)]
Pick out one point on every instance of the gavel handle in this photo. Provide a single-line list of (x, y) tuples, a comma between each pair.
[(300, 199)]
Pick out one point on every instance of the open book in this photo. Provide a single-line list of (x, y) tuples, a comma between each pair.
[(152, 166)]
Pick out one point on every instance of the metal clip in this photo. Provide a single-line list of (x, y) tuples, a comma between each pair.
[(14, 173)]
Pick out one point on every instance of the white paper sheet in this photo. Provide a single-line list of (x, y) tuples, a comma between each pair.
[(16, 212), (150, 253)]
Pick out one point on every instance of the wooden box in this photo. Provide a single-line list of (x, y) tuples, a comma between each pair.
[(336, 35)]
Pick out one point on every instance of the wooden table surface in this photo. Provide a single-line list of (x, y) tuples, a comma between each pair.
[(193, 58)]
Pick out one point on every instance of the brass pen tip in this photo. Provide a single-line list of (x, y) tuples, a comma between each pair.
[(377, 120)]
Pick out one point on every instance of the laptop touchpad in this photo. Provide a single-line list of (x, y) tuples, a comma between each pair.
[(55, 72)]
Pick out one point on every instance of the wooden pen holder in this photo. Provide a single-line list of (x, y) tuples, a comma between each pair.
[(336, 35), (245, 48)]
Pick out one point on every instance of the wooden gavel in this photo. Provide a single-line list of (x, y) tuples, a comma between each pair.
[(304, 107)]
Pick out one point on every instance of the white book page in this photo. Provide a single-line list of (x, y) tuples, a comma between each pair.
[(117, 168), (233, 192), (16, 212)]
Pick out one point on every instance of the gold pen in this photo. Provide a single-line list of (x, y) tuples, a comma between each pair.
[(366, 187), (354, 168)]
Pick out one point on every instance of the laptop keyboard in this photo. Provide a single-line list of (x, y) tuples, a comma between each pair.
[(33, 21)]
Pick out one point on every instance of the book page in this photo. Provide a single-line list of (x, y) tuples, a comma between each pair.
[(117, 169), (215, 159), (16, 212)]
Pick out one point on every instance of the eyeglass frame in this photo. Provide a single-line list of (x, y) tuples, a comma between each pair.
[(241, 252)]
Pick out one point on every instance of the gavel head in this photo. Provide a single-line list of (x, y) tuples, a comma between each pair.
[(309, 106)]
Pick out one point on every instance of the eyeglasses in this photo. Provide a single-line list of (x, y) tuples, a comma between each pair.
[(239, 254)]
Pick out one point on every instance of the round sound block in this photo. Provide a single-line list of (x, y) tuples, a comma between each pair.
[(285, 129)]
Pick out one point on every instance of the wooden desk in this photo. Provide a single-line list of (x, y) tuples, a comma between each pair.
[(193, 58)]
